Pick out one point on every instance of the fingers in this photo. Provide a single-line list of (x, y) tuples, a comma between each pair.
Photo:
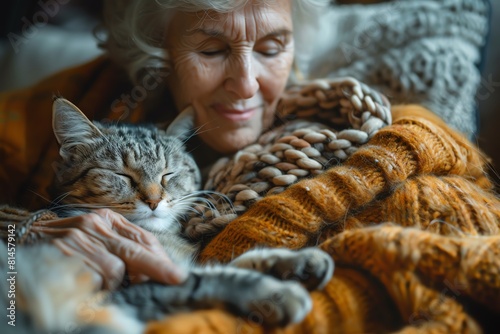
[(148, 258), (131, 231), (142, 261), (103, 224), (109, 242)]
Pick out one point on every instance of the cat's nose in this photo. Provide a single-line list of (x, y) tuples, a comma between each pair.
[(153, 203)]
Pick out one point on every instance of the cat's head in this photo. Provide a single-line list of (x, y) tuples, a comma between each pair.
[(143, 173)]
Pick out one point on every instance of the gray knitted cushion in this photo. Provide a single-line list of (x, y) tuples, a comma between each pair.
[(419, 51)]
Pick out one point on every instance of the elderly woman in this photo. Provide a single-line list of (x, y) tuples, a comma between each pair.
[(231, 62)]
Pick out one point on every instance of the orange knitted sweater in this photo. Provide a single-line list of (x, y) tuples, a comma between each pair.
[(432, 266), (410, 218)]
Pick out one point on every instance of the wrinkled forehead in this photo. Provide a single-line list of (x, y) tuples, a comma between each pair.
[(251, 21)]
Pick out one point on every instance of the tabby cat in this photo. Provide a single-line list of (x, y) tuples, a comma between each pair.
[(146, 175)]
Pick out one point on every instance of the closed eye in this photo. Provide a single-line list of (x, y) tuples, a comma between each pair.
[(129, 178), (270, 47), (270, 53), (167, 177), (213, 53)]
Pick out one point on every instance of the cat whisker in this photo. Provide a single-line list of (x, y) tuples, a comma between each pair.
[(198, 201), (208, 203), (87, 206), (217, 198), (190, 209), (39, 195), (198, 131), (60, 198), (202, 208), (208, 193), (181, 206)]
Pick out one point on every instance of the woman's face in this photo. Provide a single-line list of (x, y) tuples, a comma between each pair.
[(232, 68)]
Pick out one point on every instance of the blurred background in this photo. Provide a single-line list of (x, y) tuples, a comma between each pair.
[(489, 103), (41, 37)]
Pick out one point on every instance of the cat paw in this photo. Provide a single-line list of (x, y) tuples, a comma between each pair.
[(312, 267), (284, 303)]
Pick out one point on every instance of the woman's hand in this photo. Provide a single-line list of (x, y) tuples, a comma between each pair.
[(110, 244)]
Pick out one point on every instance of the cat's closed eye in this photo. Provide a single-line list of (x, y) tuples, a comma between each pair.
[(167, 176), (127, 178)]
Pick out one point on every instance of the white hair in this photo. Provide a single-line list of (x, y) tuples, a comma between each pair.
[(136, 28)]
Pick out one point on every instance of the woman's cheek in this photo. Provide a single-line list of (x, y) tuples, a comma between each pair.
[(193, 77), (276, 72), (278, 69), (189, 67)]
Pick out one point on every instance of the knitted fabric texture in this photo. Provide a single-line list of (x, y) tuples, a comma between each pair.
[(433, 269), (422, 51), (406, 151), (425, 269), (23, 221), (294, 151)]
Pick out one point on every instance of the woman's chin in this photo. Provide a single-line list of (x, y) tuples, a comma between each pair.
[(232, 141)]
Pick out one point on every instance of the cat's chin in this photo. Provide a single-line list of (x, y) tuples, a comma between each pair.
[(155, 224)]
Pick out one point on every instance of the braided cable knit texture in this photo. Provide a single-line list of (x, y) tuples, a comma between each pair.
[(299, 149)]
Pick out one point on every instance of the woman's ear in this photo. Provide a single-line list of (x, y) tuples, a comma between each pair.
[(183, 125), (71, 127)]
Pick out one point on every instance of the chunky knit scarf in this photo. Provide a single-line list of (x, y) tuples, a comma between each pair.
[(350, 114)]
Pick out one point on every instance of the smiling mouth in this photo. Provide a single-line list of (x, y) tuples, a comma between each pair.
[(235, 115)]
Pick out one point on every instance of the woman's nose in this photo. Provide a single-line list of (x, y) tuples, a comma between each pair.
[(242, 77)]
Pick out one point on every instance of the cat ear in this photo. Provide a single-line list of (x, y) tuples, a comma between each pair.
[(71, 127), (183, 124)]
